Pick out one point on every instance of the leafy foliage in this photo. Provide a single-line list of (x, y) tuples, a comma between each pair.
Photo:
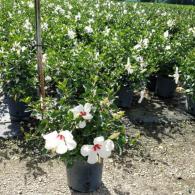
[(86, 49)]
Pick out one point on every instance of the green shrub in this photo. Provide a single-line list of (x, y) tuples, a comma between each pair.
[(90, 51), (18, 68)]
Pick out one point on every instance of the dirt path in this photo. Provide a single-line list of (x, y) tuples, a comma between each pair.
[(162, 163)]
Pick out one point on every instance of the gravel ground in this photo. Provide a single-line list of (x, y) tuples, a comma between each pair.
[(162, 163)]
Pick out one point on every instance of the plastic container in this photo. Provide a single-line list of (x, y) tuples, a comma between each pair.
[(84, 177), (125, 97), (190, 105), (18, 110), (165, 87), (151, 85)]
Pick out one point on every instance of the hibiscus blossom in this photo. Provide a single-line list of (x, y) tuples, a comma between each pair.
[(176, 75), (142, 95), (101, 148), (71, 34), (128, 66), (60, 142), (83, 112)]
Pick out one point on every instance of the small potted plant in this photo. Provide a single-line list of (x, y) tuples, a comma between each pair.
[(166, 66), (167, 81), (18, 66), (83, 136), (19, 84)]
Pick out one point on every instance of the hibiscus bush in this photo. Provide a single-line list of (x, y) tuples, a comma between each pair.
[(127, 42), (91, 127), (188, 73), (91, 49), (17, 50)]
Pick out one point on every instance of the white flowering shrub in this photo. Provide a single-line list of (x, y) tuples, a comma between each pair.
[(188, 73), (17, 50), (126, 42), (82, 131), (91, 49)]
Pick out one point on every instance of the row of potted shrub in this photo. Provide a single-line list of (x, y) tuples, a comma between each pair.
[(93, 52), (153, 38)]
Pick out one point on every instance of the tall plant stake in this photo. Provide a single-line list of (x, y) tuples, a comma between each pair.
[(39, 54)]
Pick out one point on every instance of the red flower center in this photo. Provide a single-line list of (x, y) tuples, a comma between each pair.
[(96, 147), (83, 113), (61, 137)]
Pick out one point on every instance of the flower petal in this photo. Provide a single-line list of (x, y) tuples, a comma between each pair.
[(88, 117), (50, 140), (92, 158), (99, 140), (50, 144), (61, 147), (87, 107), (71, 144), (103, 153), (51, 135), (82, 124), (106, 149), (79, 108), (108, 145), (69, 141), (86, 149), (67, 134), (76, 110)]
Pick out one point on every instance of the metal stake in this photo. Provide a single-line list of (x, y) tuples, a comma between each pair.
[(40, 64)]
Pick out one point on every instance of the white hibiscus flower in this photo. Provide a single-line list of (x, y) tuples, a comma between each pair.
[(176, 75), (83, 112), (168, 47), (71, 34), (88, 29), (142, 95), (60, 142), (166, 34), (192, 30), (78, 16), (128, 66), (27, 25), (101, 148), (82, 124), (170, 23)]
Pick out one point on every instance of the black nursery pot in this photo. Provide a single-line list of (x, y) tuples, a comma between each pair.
[(151, 85), (84, 177), (190, 105), (165, 87), (17, 110), (125, 97)]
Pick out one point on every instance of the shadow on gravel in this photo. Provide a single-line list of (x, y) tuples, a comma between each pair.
[(3, 108), (3, 152), (157, 118), (9, 130), (21, 150), (29, 151), (120, 192), (34, 169), (102, 190)]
